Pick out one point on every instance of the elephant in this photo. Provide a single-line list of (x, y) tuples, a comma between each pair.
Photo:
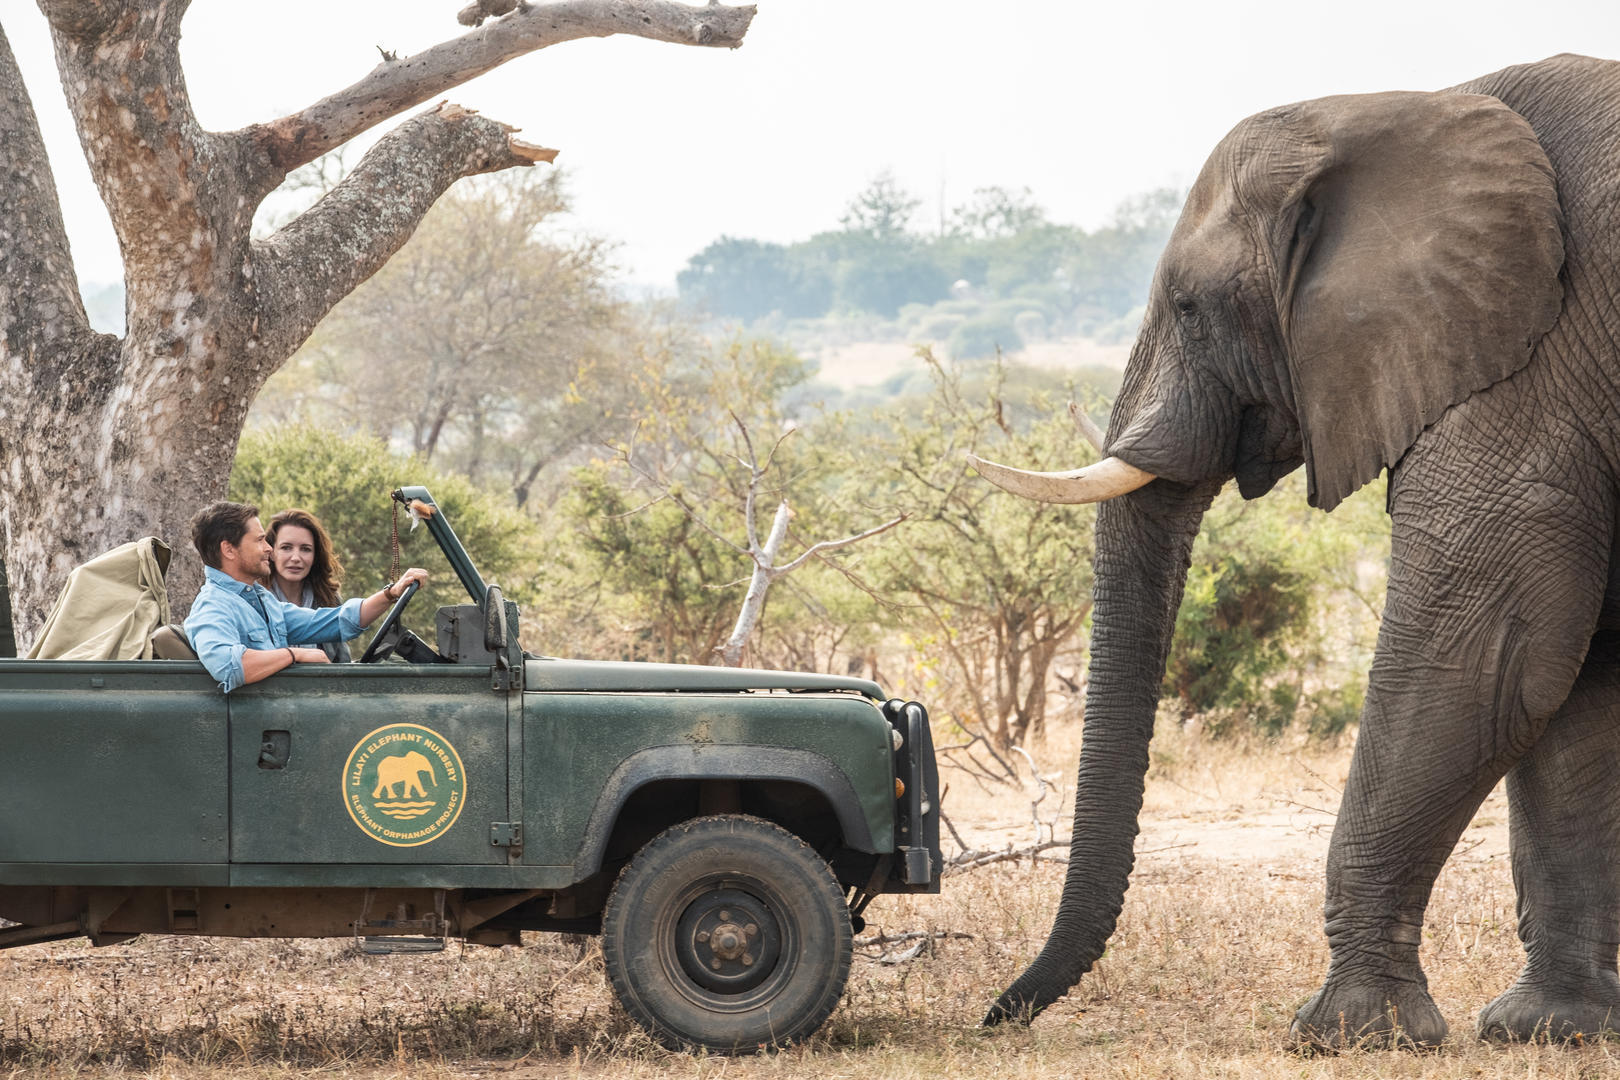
[(1423, 283), (403, 769)]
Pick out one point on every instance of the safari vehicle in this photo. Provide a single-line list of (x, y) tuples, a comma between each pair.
[(722, 829)]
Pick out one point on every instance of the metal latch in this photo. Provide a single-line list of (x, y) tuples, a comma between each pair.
[(275, 749), (506, 834)]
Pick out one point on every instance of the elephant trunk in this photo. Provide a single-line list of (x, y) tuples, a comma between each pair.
[(1144, 545)]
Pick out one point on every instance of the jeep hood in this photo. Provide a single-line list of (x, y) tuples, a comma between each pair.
[(548, 675)]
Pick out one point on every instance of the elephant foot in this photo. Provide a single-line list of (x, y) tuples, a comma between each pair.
[(1368, 1014), (1533, 1011)]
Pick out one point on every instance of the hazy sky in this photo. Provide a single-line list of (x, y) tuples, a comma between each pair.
[(669, 147)]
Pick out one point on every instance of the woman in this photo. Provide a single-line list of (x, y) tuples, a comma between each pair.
[(303, 568)]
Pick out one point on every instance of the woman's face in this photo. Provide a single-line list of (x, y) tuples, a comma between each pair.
[(294, 553)]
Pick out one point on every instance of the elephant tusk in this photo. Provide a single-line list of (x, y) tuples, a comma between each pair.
[(1107, 479), (1087, 427)]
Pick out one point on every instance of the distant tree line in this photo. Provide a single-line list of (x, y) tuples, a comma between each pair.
[(997, 249)]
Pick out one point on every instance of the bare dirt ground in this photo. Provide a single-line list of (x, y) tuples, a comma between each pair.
[(1220, 940), (871, 363)]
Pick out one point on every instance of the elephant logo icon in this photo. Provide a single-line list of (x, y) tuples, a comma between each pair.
[(405, 769), (404, 785)]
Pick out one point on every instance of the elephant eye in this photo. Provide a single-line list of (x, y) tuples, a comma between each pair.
[(1189, 315)]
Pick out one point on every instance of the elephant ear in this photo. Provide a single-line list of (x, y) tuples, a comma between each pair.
[(1417, 262)]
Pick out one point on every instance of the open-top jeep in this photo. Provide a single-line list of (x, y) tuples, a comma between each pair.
[(722, 829)]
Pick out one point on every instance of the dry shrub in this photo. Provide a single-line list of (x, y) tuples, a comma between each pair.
[(1219, 942)]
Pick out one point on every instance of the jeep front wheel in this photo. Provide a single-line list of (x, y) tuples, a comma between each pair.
[(727, 933)]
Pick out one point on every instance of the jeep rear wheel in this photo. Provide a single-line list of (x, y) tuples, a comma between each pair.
[(727, 933)]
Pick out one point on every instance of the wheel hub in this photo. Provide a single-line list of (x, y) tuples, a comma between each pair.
[(728, 941)]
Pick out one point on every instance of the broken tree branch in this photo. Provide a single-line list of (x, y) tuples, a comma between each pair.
[(910, 935), (924, 943), (766, 570), (973, 860), (303, 270), (397, 85)]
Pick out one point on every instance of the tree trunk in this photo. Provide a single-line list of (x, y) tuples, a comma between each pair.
[(1144, 545), (759, 582)]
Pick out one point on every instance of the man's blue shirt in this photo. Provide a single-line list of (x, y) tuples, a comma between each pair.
[(228, 618)]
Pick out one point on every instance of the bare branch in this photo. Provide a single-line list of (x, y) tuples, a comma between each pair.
[(924, 943), (395, 86), (832, 545), (751, 498), (972, 860), (648, 505), (304, 269), (685, 506), (876, 940), (948, 823), (770, 457)]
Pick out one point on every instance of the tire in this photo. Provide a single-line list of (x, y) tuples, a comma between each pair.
[(727, 933)]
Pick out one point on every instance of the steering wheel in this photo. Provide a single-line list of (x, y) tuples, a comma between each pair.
[(382, 646)]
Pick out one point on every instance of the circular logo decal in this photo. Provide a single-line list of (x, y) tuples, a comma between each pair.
[(403, 785)]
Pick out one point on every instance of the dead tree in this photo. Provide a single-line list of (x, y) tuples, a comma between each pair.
[(762, 553), (103, 438)]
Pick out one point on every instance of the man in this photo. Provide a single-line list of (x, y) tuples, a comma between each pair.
[(238, 629)]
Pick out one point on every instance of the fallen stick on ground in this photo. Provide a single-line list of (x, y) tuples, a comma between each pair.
[(972, 860), (909, 935), (924, 940)]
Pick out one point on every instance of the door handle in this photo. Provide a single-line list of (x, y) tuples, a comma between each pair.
[(275, 748)]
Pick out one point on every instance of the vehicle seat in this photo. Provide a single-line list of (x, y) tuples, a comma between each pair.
[(169, 643)]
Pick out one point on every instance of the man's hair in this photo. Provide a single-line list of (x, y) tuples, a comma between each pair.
[(325, 571), (220, 523)]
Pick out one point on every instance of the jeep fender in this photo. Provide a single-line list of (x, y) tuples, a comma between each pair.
[(656, 763)]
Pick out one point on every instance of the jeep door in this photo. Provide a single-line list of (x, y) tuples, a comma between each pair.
[(115, 773), (338, 771)]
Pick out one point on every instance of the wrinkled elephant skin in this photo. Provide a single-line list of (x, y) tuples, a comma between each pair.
[(1423, 283)]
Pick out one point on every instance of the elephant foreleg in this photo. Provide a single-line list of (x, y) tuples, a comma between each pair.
[(1493, 600), (1564, 799)]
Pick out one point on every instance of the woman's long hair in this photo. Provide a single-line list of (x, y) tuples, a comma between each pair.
[(325, 573)]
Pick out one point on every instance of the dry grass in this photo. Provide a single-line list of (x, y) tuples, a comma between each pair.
[(1219, 942)]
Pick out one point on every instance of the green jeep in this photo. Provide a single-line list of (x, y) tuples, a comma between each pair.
[(722, 829)]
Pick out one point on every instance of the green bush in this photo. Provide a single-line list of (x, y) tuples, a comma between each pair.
[(346, 480), (1280, 614), (1238, 616)]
